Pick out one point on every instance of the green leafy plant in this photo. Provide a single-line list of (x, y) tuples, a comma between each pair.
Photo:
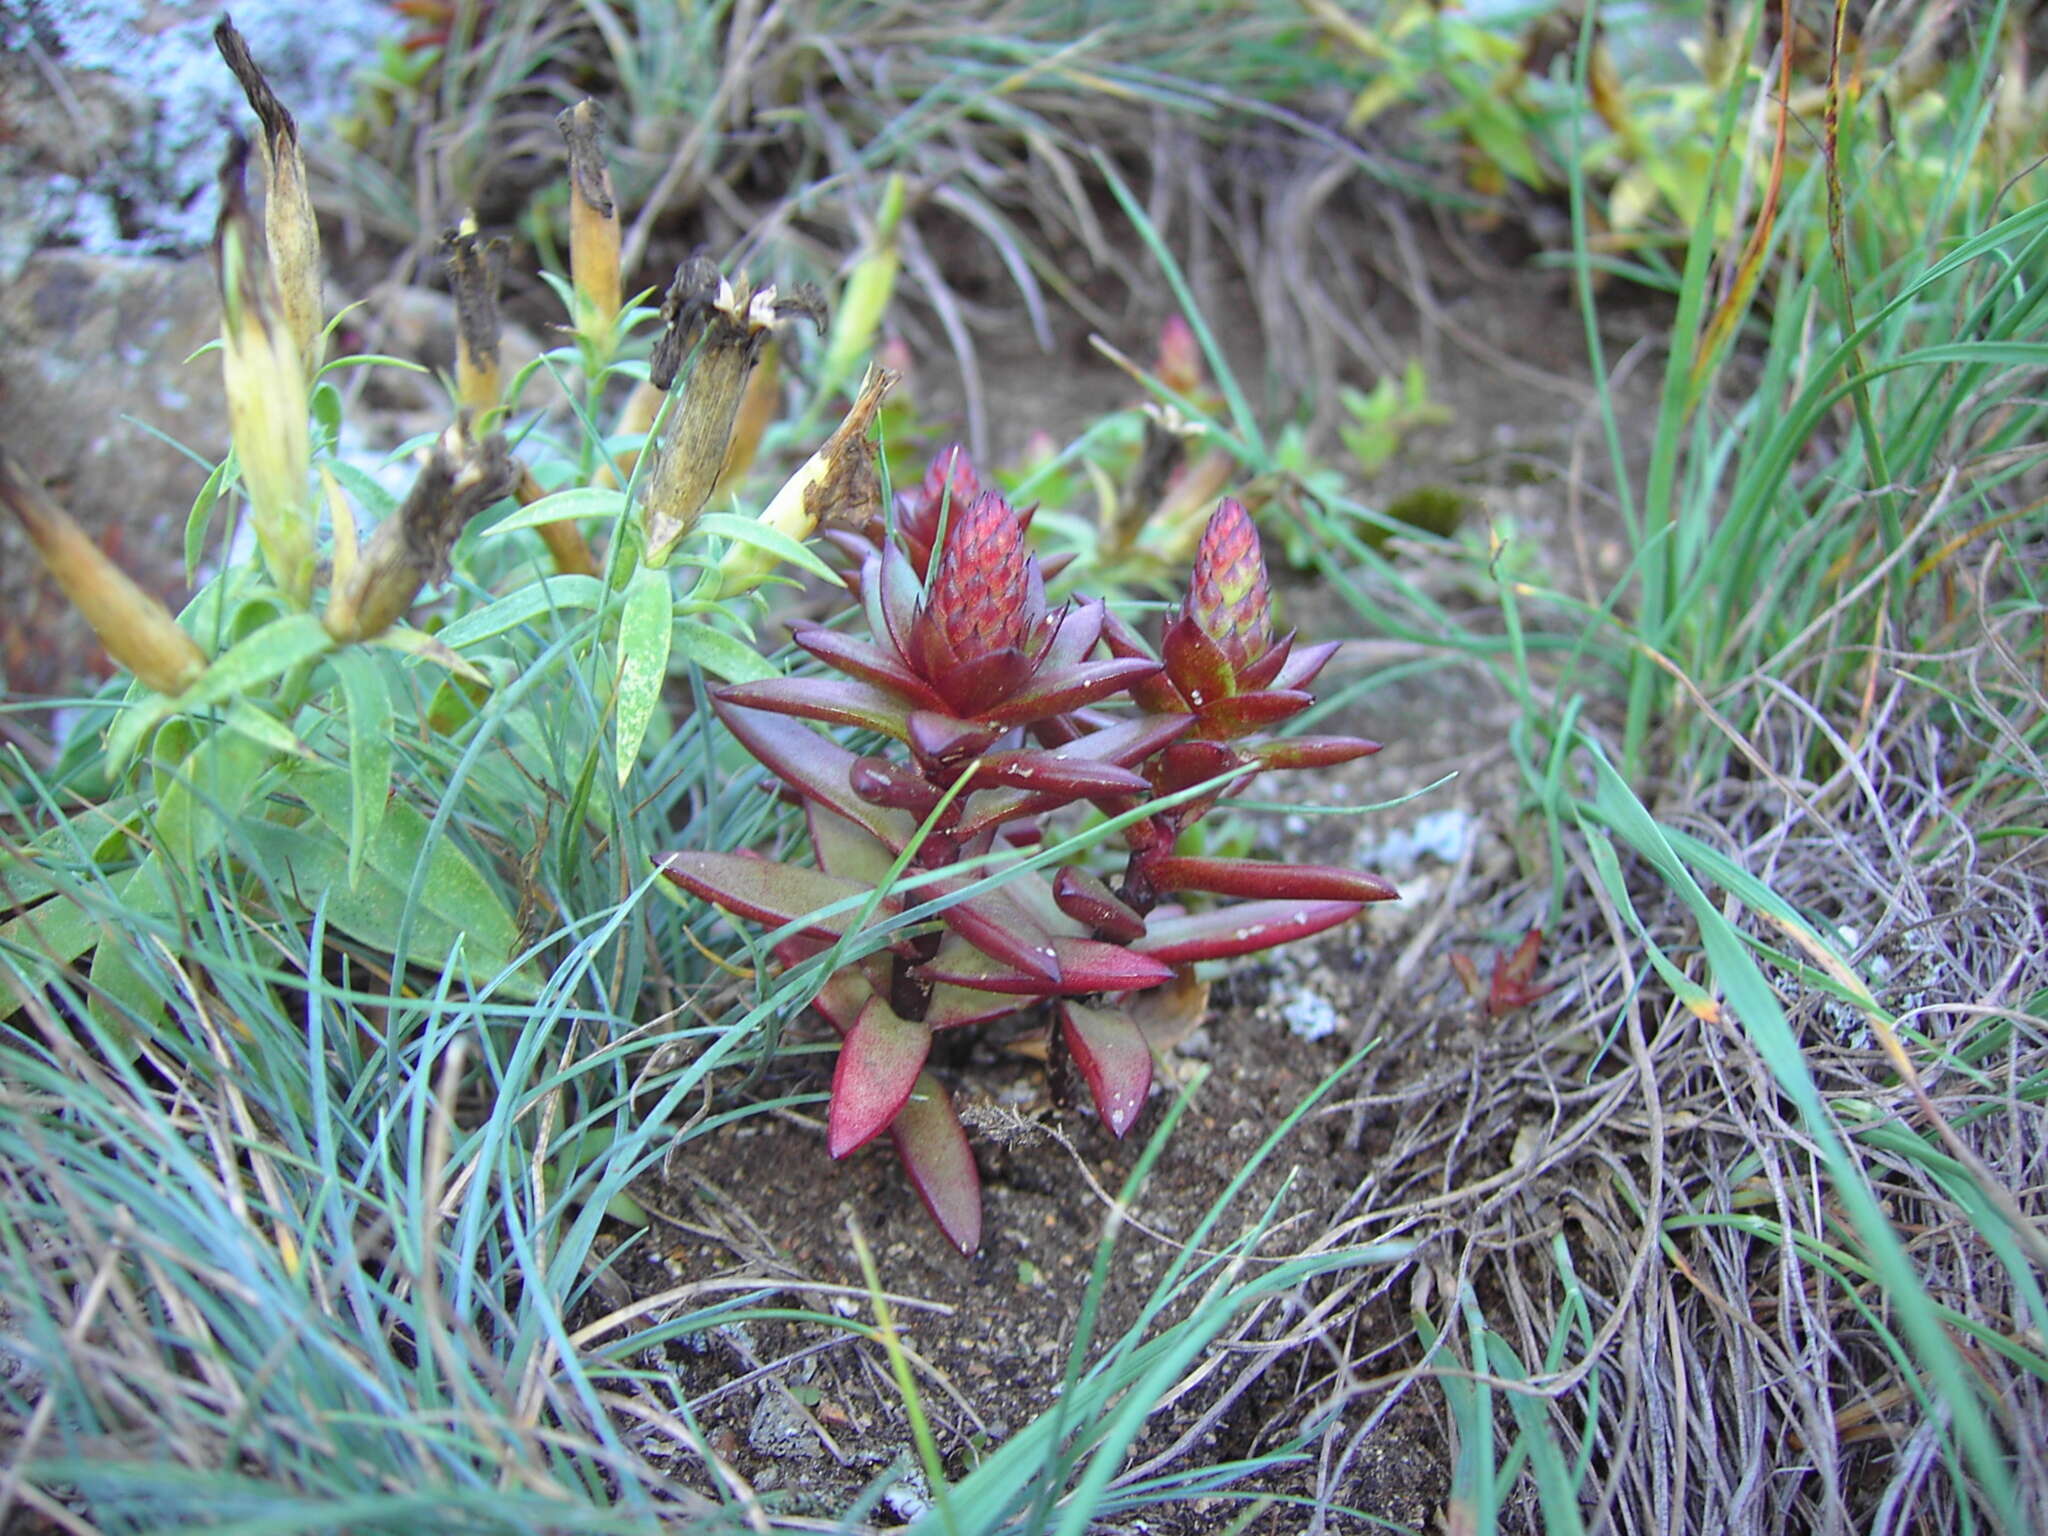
[(994, 712), (1381, 419), (299, 711), (1538, 110)]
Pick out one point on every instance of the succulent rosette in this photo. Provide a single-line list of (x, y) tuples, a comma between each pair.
[(995, 709)]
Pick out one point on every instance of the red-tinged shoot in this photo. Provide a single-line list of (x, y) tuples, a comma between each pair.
[(949, 485), (1229, 599), (997, 713), (970, 635), (1179, 364)]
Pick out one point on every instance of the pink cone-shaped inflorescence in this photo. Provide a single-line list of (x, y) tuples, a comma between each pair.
[(997, 711), (1228, 596)]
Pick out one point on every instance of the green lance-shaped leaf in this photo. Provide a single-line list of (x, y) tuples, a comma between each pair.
[(764, 536), (583, 501), (456, 902), (200, 518), (723, 655), (368, 700), (646, 627), (525, 605), (258, 658)]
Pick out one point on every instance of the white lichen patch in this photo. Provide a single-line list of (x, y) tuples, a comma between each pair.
[(151, 191)]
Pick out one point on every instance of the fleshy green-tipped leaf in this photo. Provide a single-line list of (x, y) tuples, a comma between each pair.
[(1197, 665), (935, 1154), (812, 765), (771, 894), (845, 848), (882, 1057), (1313, 751), (1265, 879), (1244, 713), (833, 700), (1111, 1052), (1239, 930)]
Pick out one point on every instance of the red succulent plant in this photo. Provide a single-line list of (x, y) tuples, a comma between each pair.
[(998, 710)]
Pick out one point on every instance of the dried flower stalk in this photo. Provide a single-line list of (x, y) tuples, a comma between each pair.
[(291, 233), (137, 630), (729, 326), (475, 267), (461, 477), (837, 484), (593, 223), (266, 389)]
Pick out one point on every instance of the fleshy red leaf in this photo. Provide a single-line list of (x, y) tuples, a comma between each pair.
[(1080, 629), (1128, 743), (880, 782), (771, 894), (953, 1006), (880, 1060), (1089, 901), (1131, 741), (834, 700), (1111, 1052), (1060, 772), (1197, 665), (814, 766), (1188, 763), (1006, 932), (846, 848), (1089, 965), (869, 663), (972, 688), (1156, 695), (935, 1154), (1260, 673), (1086, 965), (1313, 751), (897, 592), (1240, 929), (1055, 693), (846, 991), (1246, 712), (941, 739), (1263, 878), (1304, 664)]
